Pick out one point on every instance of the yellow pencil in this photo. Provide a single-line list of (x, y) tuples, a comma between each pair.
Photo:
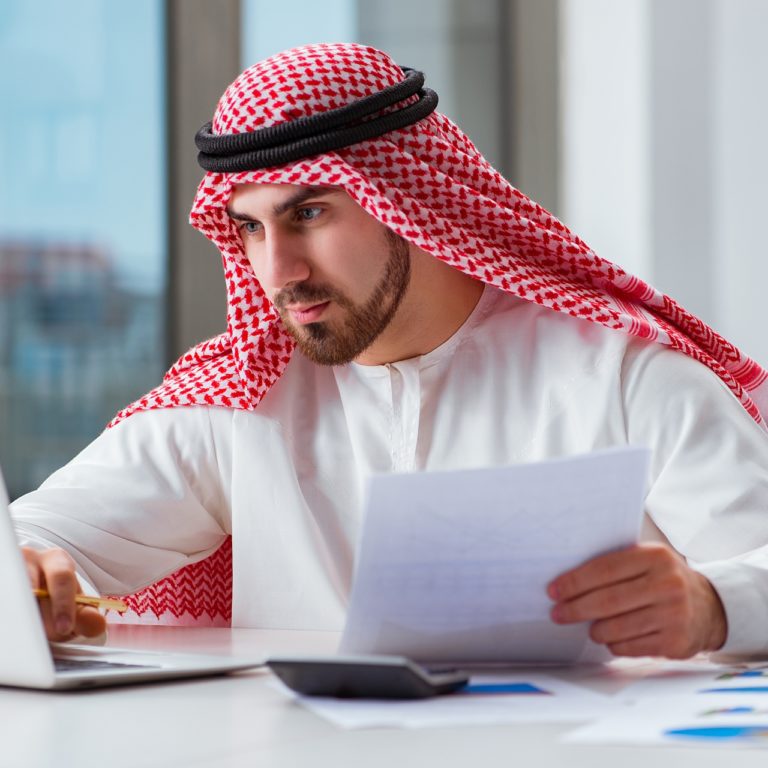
[(96, 602)]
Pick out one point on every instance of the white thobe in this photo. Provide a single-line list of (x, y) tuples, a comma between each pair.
[(516, 383)]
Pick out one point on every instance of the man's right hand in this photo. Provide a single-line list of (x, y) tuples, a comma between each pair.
[(54, 571)]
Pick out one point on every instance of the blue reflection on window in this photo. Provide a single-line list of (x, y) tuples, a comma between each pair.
[(270, 27), (82, 223)]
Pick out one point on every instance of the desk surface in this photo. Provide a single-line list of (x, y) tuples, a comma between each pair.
[(228, 722)]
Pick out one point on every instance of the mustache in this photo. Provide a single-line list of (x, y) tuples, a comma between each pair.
[(301, 294)]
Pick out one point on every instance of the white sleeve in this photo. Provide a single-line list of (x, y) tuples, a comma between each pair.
[(145, 498), (709, 481)]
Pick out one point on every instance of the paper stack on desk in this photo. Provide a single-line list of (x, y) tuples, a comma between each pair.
[(490, 699), (453, 566), (689, 704)]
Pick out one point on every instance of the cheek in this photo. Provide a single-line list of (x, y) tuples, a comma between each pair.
[(252, 263), (244, 259), (253, 260), (252, 266), (353, 264)]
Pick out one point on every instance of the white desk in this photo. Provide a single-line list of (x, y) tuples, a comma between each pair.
[(230, 722)]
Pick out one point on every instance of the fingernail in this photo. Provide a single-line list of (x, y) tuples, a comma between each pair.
[(552, 591), (556, 613), (63, 625)]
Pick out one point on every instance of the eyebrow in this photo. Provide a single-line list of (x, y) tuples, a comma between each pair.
[(297, 198)]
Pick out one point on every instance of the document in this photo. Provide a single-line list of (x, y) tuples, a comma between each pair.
[(688, 703), (711, 720), (489, 699), (452, 566)]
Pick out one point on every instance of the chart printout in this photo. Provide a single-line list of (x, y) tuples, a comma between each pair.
[(453, 566)]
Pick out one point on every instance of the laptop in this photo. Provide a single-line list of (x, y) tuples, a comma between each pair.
[(28, 660)]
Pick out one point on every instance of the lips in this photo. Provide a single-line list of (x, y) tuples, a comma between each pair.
[(308, 314)]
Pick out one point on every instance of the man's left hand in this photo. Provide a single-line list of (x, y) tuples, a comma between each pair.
[(642, 601)]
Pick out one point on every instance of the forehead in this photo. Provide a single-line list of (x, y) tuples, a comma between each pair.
[(266, 196)]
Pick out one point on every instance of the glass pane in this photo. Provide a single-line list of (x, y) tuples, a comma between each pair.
[(82, 223), (270, 27), (459, 45)]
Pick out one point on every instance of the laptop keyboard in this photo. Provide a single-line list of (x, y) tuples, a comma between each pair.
[(94, 665)]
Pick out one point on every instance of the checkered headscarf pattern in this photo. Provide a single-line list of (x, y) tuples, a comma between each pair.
[(429, 184)]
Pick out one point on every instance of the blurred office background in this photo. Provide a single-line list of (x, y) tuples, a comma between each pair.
[(641, 123)]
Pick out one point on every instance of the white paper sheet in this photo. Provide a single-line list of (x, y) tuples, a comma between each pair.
[(690, 703), (690, 679), (555, 701), (453, 566), (711, 720)]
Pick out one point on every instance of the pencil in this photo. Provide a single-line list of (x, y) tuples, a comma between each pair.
[(96, 602)]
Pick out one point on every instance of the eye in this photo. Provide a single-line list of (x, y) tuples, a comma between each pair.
[(310, 213), (250, 227)]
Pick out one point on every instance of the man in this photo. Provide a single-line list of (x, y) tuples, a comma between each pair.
[(395, 305)]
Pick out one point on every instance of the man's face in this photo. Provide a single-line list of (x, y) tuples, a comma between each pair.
[(334, 273)]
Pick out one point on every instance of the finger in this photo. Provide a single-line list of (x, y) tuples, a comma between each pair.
[(31, 561), (672, 644), (46, 615), (622, 565), (613, 600), (629, 626), (61, 583), (89, 622), (649, 645), (49, 623)]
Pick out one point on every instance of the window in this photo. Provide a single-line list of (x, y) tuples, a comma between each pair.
[(82, 224)]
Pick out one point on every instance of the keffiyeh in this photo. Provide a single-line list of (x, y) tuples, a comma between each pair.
[(429, 184)]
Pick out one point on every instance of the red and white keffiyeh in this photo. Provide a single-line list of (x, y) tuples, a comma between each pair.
[(428, 183)]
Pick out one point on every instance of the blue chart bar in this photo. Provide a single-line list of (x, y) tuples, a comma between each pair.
[(740, 689), (731, 711), (722, 733), (744, 673), (520, 688)]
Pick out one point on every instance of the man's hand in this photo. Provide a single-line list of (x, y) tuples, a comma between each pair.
[(642, 601), (54, 570)]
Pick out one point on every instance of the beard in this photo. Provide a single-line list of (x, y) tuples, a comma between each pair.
[(331, 344)]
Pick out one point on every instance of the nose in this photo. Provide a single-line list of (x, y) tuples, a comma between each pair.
[(284, 261)]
